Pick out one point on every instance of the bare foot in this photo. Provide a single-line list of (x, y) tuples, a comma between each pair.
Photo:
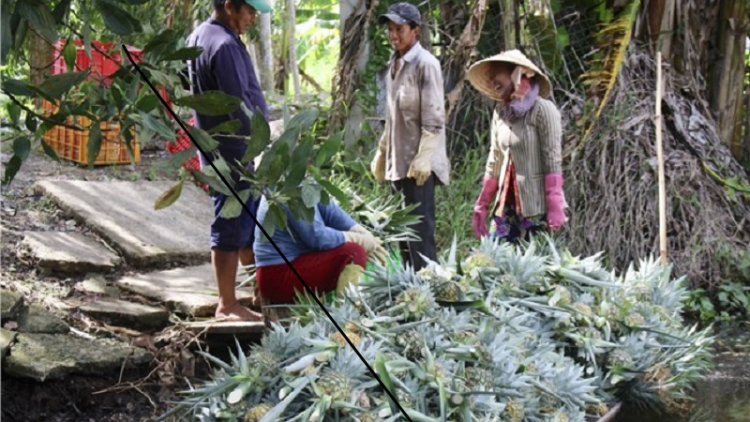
[(236, 312)]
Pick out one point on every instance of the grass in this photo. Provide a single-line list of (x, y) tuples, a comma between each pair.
[(455, 202)]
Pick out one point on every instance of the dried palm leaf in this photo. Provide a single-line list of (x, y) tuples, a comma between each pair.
[(614, 40)]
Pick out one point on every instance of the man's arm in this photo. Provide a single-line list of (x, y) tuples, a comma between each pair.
[(433, 100), (315, 235), (334, 217), (432, 119)]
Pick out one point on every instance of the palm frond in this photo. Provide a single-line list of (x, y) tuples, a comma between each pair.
[(614, 40)]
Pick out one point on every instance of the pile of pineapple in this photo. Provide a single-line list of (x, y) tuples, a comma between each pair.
[(508, 334)]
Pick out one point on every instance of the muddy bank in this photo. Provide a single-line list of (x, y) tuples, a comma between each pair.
[(724, 396), (78, 399)]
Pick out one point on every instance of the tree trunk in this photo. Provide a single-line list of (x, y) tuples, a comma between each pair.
[(745, 159), (266, 54), (660, 24), (730, 70), (353, 56), (425, 37), (292, 24), (461, 50), (711, 51), (454, 16), (251, 50), (508, 10), (40, 60)]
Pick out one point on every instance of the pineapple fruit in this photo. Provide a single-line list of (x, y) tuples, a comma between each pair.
[(256, 413), (416, 303), (334, 385), (411, 343), (517, 339), (478, 379), (446, 290), (352, 335)]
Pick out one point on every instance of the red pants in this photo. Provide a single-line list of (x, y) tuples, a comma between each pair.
[(320, 270)]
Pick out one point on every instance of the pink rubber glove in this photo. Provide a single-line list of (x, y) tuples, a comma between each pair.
[(553, 191), (482, 206)]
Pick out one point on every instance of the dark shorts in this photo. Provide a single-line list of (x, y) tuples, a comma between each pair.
[(234, 233)]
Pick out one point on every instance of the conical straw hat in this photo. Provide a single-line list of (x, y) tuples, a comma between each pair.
[(481, 73)]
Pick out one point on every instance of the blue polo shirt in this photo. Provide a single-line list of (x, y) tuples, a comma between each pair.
[(299, 238), (224, 65)]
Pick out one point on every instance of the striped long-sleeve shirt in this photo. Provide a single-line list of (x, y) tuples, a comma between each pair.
[(534, 145)]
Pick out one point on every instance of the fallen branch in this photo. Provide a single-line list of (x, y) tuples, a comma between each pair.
[(310, 80)]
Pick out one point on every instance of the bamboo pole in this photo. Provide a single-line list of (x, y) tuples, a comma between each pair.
[(292, 23), (660, 158)]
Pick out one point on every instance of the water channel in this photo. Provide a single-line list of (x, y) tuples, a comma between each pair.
[(724, 396)]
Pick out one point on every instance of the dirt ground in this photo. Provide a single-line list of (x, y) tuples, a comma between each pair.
[(75, 398)]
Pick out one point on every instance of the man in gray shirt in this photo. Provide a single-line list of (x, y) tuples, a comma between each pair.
[(411, 153)]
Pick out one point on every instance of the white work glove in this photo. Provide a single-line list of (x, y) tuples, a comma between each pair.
[(366, 241), (421, 166), (358, 228), (378, 163), (371, 244)]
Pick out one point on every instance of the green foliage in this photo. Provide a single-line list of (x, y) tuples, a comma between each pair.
[(730, 303), (699, 304), (735, 187), (210, 103), (125, 101), (455, 202), (734, 296), (117, 19), (737, 263), (318, 40), (286, 175), (171, 195)]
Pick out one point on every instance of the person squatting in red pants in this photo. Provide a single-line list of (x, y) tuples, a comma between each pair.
[(320, 270), (329, 253)]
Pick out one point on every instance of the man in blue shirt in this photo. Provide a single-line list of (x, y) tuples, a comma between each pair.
[(224, 65)]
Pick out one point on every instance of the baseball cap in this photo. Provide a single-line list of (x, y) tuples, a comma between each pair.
[(262, 6), (401, 14)]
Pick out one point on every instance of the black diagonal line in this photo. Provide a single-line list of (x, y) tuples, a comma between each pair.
[(262, 229)]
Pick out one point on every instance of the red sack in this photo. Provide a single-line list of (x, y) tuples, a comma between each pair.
[(182, 143)]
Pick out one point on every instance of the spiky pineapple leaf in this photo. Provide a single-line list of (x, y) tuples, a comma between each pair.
[(275, 413)]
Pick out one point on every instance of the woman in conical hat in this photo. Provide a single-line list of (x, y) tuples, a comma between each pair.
[(523, 181)]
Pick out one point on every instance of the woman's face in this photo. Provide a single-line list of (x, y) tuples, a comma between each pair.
[(502, 82)]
